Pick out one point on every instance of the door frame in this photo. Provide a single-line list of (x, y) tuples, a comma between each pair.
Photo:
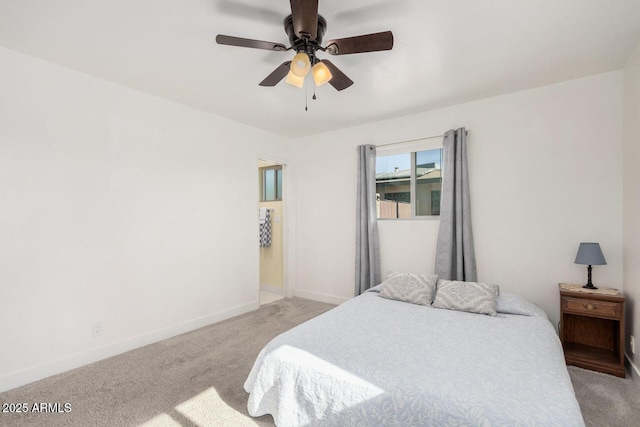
[(286, 222)]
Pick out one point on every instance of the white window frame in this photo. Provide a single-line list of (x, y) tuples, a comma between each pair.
[(411, 148), (263, 190)]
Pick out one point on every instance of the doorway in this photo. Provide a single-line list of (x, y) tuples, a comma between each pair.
[(271, 223)]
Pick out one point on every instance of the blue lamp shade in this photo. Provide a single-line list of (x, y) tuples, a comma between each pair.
[(590, 254)]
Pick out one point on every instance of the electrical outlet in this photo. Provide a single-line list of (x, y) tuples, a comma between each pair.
[(96, 329), (633, 345)]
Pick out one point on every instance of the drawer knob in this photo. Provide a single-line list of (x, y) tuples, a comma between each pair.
[(590, 306)]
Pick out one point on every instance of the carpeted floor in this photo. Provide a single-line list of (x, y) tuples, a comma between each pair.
[(606, 400), (196, 379)]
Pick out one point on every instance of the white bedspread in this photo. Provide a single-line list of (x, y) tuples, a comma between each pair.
[(373, 361)]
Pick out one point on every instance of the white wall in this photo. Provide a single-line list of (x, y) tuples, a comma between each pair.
[(632, 202), (116, 208), (545, 171), (112, 210)]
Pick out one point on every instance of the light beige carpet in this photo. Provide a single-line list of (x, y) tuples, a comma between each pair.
[(196, 379), (606, 400)]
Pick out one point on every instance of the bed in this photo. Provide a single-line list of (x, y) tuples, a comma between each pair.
[(377, 361)]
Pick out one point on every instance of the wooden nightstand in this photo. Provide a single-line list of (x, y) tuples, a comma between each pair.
[(592, 328)]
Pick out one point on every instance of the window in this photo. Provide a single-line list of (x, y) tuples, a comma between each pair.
[(408, 185), (271, 183)]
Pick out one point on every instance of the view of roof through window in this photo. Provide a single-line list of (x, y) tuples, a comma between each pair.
[(400, 194)]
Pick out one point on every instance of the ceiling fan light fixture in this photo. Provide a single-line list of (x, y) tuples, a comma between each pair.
[(305, 29), (321, 73), (300, 64), (294, 80)]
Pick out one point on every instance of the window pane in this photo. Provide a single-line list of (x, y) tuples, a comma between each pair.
[(393, 186), (428, 182), (279, 184), (269, 184)]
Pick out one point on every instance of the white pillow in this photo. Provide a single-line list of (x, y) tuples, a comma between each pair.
[(472, 297), (410, 287), (515, 304)]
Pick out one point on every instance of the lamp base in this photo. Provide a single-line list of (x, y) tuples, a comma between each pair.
[(589, 285)]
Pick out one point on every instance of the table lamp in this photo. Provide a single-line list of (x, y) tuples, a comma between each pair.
[(590, 254)]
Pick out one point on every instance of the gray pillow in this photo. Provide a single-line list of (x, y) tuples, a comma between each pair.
[(472, 297), (515, 304), (410, 287)]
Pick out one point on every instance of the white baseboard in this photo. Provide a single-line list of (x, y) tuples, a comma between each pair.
[(635, 370), (331, 299), (271, 288), (38, 372)]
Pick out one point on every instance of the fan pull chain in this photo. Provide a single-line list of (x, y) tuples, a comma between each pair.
[(306, 96)]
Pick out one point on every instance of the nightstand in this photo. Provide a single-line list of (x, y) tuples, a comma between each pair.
[(592, 328)]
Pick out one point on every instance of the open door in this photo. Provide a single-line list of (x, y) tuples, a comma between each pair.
[(271, 228)]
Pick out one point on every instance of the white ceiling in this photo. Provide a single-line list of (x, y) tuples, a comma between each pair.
[(446, 51)]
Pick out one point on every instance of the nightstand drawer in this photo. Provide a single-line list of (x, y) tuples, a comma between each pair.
[(593, 308)]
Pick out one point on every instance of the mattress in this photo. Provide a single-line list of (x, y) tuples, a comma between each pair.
[(374, 361)]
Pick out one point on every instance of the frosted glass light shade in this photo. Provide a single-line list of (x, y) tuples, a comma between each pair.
[(300, 64), (294, 80), (321, 74)]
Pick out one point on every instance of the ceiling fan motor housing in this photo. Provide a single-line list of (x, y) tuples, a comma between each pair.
[(301, 44)]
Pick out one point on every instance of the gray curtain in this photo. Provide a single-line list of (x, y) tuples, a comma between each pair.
[(455, 255), (367, 246)]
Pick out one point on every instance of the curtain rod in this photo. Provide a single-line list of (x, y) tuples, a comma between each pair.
[(413, 140)]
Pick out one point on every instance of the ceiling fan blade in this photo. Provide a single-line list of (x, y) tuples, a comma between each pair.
[(359, 44), (255, 44), (305, 18), (339, 81), (277, 75)]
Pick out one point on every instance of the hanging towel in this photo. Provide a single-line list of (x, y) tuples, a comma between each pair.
[(262, 215), (265, 230)]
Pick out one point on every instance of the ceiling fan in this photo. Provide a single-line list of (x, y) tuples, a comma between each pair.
[(305, 29)]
